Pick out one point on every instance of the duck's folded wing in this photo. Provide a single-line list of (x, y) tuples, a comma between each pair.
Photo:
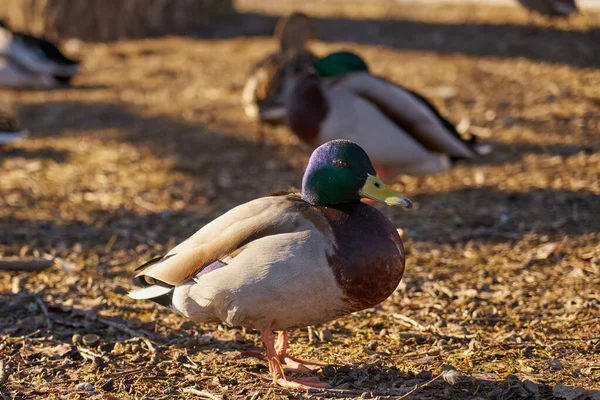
[(411, 112), (223, 236)]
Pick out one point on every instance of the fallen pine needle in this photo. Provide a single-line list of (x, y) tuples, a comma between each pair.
[(202, 393)]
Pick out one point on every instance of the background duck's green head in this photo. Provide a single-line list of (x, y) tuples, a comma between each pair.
[(340, 171), (340, 63)]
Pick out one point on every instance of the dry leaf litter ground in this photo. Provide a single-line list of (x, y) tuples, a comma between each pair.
[(503, 269)]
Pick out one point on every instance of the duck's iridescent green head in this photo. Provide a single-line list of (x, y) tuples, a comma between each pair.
[(340, 63), (340, 171)]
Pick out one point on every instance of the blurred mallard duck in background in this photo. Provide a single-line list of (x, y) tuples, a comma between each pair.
[(30, 62), (272, 78), (397, 127), (9, 125), (554, 8), (288, 260)]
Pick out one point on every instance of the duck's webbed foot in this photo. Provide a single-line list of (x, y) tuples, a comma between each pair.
[(279, 362)]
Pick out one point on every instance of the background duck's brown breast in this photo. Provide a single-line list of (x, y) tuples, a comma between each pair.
[(307, 109), (368, 261)]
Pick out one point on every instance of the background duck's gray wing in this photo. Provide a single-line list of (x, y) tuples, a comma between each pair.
[(411, 112), (224, 235)]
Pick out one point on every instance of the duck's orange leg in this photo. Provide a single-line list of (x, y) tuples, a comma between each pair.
[(276, 366), (294, 363)]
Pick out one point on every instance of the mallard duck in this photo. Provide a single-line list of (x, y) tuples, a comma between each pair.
[(272, 78), (397, 127), (555, 8), (9, 125), (289, 260), (30, 62)]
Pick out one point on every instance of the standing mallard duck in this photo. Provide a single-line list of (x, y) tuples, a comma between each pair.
[(398, 128), (288, 261), (30, 62), (9, 125), (554, 8), (272, 78)]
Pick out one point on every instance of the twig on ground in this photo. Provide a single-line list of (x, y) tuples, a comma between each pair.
[(202, 393), (417, 387), (581, 339), (88, 354), (409, 321), (44, 309), (340, 393), (432, 329), (124, 373), (16, 264), (452, 336)]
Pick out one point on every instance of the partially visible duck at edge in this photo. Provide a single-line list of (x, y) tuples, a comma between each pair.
[(29, 62), (272, 78), (399, 129), (9, 125), (552, 8)]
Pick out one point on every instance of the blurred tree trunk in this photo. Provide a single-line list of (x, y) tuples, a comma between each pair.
[(103, 20)]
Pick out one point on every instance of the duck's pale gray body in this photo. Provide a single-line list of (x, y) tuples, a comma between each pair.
[(279, 267), (253, 289), (356, 105)]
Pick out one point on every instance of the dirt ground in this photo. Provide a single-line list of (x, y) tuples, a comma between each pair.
[(503, 256)]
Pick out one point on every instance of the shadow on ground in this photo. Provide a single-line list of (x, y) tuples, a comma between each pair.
[(46, 153), (548, 44), (486, 214)]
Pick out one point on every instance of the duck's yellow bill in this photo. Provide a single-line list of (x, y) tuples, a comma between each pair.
[(374, 189)]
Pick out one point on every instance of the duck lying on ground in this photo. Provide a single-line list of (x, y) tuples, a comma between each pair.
[(273, 77), (553, 8), (398, 128)]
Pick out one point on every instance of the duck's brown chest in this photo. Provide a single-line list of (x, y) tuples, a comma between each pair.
[(368, 257)]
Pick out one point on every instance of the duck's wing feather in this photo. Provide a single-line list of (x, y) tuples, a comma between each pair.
[(271, 82), (411, 112), (224, 236), (263, 84)]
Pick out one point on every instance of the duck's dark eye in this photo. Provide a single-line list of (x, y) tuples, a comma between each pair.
[(377, 185), (340, 163)]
